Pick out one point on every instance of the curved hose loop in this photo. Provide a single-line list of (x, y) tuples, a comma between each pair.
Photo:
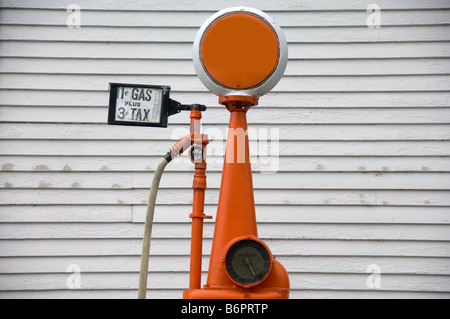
[(176, 150), (143, 275)]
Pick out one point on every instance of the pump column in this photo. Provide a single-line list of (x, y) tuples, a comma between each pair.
[(199, 186)]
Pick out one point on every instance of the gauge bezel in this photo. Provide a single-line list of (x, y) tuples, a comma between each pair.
[(235, 245)]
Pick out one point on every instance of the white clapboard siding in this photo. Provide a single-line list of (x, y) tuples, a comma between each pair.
[(304, 68), (173, 51), (180, 180), (266, 231), (355, 171), (192, 83), (259, 115), (59, 163), (143, 18), (286, 148), (320, 264), (186, 34), (280, 5), (176, 280), (217, 132), (55, 248), (18, 98), (42, 196), (178, 213)]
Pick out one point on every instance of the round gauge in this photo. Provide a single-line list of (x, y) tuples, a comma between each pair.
[(248, 262)]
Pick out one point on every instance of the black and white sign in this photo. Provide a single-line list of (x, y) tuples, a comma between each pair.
[(141, 105)]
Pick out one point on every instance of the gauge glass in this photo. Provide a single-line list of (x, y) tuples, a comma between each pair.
[(248, 262)]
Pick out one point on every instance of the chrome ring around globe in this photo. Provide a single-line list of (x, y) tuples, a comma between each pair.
[(263, 87)]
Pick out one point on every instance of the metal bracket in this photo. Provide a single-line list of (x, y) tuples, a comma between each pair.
[(176, 107)]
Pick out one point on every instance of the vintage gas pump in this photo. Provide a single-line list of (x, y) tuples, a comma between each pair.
[(239, 54)]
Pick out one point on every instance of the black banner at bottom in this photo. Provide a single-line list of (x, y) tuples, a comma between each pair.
[(223, 308)]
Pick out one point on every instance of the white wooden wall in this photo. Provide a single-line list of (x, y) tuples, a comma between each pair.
[(363, 115)]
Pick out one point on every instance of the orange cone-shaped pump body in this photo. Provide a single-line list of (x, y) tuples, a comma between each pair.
[(236, 209), (236, 218)]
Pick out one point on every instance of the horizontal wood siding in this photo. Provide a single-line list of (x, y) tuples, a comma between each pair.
[(360, 175)]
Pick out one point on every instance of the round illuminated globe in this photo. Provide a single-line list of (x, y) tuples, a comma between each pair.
[(240, 51)]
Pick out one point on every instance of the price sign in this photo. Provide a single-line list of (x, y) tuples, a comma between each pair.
[(138, 105)]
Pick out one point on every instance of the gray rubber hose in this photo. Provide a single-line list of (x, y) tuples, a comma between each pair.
[(143, 275)]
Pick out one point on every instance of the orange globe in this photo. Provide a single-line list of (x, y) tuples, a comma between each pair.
[(240, 51)]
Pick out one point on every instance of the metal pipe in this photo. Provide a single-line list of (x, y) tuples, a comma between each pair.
[(197, 216), (196, 240)]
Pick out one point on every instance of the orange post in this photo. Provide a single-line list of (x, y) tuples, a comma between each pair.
[(199, 187), (197, 216)]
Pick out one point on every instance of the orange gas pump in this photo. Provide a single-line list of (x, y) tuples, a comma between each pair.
[(239, 54)]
